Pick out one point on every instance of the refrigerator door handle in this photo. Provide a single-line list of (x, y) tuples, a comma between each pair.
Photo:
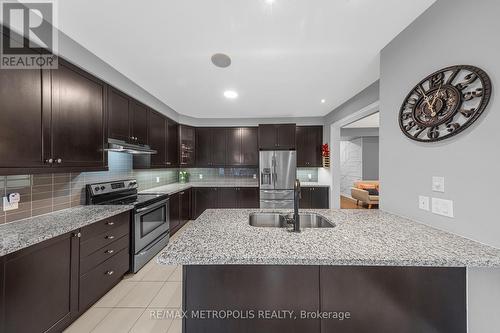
[(275, 175)]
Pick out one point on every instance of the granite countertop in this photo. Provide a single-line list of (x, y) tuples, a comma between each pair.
[(313, 184), (20, 234), (177, 187), (361, 237)]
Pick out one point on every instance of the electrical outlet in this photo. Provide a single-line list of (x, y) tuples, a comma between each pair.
[(157, 179), (442, 207), (201, 176), (9, 205), (438, 184), (423, 202)]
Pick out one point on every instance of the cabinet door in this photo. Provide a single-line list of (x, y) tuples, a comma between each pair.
[(248, 197), (174, 213), (140, 123), (309, 141), (227, 197), (157, 139), (301, 140), (249, 146), (172, 143), (187, 136), (319, 197), (77, 118), (218, 146), (203, 147), (185, 197), (35, 283), (267, 137), (305, 200), (21, 118), (205, 198), (118, 115), (285, 136), (234, 148)]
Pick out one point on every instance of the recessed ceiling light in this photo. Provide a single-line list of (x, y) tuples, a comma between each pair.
[(323, 101), (231, 94)]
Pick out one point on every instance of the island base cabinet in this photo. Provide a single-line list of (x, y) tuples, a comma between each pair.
[(357, 299)]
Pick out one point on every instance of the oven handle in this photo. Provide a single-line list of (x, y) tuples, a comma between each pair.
[(158, 204)]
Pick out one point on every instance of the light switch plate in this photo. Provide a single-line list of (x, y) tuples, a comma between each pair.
[(423, 202), (442, 207), (438, 184), (8, 205)]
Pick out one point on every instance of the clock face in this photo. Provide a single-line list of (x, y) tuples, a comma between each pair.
[(445, 103)]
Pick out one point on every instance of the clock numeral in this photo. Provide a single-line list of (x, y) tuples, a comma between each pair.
[(468, 80), (473, 94), (437, 80), (419, 129), (467, 113), (452, 127), (433, 133), (406, 116)]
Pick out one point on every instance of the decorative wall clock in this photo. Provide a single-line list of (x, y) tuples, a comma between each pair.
[(445, 103)]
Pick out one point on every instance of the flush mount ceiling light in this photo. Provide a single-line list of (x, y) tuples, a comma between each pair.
[(230, 94), (221, 60)]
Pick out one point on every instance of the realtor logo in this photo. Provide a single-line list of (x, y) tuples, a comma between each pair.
[(29, 39)]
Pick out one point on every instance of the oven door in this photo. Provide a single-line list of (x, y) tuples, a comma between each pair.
[(150, 223)]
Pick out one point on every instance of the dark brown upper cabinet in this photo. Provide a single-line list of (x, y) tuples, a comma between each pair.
[(139, 123), (277, 137), (172, 154), (119, 114), (187, 138), (22, 115), (242, 147), (309, 140), (77, 118), (210, 147), (158, 139)]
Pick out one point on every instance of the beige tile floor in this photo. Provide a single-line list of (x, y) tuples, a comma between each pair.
[(137, 304)]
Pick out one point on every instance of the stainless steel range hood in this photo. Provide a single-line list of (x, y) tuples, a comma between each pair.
[(124, 147)]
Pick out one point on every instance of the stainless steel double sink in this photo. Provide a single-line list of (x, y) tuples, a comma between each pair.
[(277, 220)]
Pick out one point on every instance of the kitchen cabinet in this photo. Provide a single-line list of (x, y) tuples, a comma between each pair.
[(139, 123), (248, 197), (314, 198), (40, 286), (77, 119), (309, 141), (187, 138), (227, 197), (185, 205), (242, 147), (172, 154), (23, 117), (157, 139), (119, 113), (204, 198), (174, 212), (51, 120), (210, 147), (277, 136)]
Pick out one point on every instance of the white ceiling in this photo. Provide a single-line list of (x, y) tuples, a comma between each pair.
[(286, 56), (371, 121)]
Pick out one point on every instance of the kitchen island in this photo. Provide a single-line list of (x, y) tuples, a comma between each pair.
[(385, 273)]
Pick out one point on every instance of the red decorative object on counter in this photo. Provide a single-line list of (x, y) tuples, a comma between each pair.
[(325, 152)]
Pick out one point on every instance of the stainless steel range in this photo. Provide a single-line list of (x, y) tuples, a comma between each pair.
[(150, 217)]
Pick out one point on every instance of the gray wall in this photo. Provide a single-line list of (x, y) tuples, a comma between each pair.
[(370, 148), (469, 161), (350, 133)]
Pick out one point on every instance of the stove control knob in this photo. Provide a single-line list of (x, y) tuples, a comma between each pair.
[(96, 188), (103, 187)]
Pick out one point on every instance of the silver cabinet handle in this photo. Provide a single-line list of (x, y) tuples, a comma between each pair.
[(110, 237), (59, 160), (49, 161), (110, 223), (110, 272), (110, 251)]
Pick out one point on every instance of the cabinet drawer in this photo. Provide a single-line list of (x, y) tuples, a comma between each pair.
[(102, 278), (104, 253), (99, 227), (103, 239)]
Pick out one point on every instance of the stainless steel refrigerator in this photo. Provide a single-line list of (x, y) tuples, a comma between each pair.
[(278, 171)]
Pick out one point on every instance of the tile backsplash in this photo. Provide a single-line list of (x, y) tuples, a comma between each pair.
[(216, 175), (307, 174), (45, 193)]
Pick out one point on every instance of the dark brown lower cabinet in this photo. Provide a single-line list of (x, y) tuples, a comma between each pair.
[(180, 210), (40, 286), (174, 213), (45, 287), (314, 198), (224, 197), (357, 299)]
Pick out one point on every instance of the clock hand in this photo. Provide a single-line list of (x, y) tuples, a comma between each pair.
[(433, 114)]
